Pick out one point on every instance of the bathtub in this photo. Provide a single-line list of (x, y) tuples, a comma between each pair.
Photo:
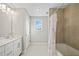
[(66, 50), (58, 53)]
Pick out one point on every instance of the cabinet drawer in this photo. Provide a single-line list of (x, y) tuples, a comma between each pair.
[(2, 51), (8, 48)]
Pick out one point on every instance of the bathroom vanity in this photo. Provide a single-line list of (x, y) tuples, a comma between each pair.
[(10, 46)]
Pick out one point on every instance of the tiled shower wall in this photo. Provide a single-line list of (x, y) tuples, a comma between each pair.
[(68, 27), (71, 27), (60, 26)]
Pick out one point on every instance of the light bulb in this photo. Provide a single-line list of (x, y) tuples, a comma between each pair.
[(8, 9), (3, 6)]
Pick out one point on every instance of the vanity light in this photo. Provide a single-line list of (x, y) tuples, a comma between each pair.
[(8, 9), (3, 6)]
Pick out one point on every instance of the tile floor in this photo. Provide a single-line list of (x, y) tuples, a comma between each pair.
[(37, 49)]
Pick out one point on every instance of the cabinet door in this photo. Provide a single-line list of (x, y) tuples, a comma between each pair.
[(20, 46), (17, 47), (2, 51), (9, 49)]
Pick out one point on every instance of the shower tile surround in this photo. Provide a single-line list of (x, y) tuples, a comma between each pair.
[(71, 27), (68, 26)]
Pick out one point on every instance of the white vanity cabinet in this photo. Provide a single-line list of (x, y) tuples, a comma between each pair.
[(11, 47), (2, 51)]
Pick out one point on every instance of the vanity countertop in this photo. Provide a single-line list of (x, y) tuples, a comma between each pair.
[(4, 40)]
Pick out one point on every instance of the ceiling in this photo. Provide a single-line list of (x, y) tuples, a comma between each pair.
[(38, 9)]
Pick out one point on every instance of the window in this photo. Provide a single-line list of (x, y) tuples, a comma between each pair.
[(38, 24)]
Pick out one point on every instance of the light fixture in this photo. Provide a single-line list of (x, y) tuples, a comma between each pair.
[(3, 7), (8, 9)]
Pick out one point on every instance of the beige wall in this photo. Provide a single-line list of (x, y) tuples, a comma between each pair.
[(68, 27), (69, 33), (71, 19), (60, 28)]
